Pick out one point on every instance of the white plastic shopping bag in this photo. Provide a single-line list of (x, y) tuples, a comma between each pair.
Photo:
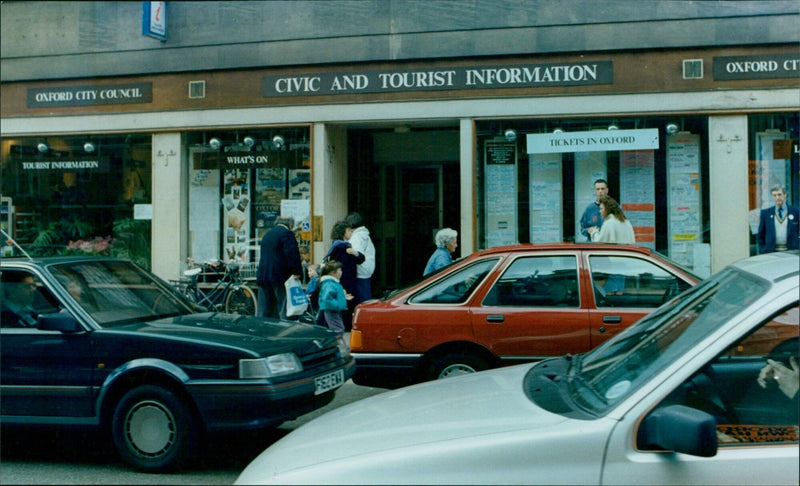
[(296, 300)]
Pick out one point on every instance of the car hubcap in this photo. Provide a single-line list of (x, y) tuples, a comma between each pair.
[(150, 429), (456, 370)]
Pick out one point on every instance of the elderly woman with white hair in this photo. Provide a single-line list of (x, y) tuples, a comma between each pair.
[(445, 245)]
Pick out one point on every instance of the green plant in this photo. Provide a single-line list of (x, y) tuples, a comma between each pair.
[(132, 240)]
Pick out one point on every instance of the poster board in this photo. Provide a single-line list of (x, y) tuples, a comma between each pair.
[(684, 199), (765, 172), (638, 193), (500, 175), (546, 218), (204, 211)]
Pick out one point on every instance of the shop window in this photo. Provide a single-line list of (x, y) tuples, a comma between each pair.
[(78, 195), (773, 156), (239, 184), (529, 191)]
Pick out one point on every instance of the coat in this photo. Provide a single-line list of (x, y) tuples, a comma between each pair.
[(280, 257)]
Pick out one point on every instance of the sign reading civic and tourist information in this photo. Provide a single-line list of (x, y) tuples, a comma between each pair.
[(592, 141), (456, 78), (115, 94)]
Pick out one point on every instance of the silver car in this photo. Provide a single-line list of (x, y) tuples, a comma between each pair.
[(701, 391)]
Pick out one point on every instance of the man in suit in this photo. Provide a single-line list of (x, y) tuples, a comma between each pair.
[(279, 260), (779, 225)]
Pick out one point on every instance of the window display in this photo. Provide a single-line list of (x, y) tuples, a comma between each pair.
[(79, 195), (237, 189)]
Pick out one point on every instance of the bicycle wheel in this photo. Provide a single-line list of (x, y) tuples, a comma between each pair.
[(241, 300)]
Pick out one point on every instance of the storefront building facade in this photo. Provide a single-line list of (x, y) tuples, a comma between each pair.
[(502, 148)]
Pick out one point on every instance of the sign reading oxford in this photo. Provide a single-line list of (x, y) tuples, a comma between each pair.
[(456, 78), (116, 94)]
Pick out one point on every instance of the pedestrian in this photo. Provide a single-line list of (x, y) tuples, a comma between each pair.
[(591, 215), (446, 243), (279, 260), (779, 225), (343, 252), (616, 228), (332, 296), (361, 241)]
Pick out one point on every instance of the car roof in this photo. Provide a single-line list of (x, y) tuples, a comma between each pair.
[(774, 267), (563, 246)]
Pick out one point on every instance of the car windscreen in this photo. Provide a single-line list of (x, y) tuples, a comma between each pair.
[(117, 292), (616, 368)]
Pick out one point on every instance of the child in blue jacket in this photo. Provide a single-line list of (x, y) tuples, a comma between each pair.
[(332, 297)]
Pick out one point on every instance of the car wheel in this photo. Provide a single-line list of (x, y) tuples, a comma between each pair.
[(153, 429), (455, 364), (241, 300)]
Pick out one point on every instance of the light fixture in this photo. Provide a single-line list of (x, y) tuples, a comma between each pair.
[(510, 135), (42, 147), (249, 141), (278, 142), (215, 143), (88, 147), (613, 127), (671, 128), (558, 130)]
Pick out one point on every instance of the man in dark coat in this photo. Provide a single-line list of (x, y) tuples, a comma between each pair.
[(280, 259), (778, 228)]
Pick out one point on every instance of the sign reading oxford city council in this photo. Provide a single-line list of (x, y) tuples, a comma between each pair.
[(592, 141)]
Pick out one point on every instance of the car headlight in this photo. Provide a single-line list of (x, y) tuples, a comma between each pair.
[(344, 348), (269, 367)]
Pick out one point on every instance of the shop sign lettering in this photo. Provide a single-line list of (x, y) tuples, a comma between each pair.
[(90, 95), (64, 165), (457, 78), (757, 67), (592, 141)]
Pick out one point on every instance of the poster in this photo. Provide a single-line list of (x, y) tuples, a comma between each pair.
[(546, 218), (638, 193), (236, 196), (683, 198), (500, 174), (204, 213)]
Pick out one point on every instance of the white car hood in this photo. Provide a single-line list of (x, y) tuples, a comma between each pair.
[(468, 407)]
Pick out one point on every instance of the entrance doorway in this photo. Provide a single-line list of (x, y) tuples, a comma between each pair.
[(421, 215)]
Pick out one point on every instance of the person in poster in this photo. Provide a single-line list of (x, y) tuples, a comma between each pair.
[(779, 225)]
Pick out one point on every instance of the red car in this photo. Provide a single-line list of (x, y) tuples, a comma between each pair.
[(509, 305)]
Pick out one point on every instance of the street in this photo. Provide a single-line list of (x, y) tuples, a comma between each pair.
[(80, 457)]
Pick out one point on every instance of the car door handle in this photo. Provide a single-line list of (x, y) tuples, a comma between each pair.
[(612, 319), (495, 318)]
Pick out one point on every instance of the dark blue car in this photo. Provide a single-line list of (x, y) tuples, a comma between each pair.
[(103, 343)]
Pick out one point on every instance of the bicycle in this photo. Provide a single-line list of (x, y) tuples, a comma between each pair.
[(229, 293)]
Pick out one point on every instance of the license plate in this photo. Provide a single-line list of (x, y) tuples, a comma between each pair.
[(329, 382)]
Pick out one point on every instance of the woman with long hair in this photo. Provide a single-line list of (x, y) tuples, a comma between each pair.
[(616, 227)]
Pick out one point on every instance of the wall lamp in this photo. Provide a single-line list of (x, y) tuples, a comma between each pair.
[(42, 147), (613, 127), (215, 143), (558, 130), (249, 142), (510, 135), (88, 147), (278, 142), (671, 128)]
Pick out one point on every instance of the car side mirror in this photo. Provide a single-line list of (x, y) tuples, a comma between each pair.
[(681, 429), (59, 321)]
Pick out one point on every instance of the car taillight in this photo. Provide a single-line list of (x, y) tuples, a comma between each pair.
[(356, 341)]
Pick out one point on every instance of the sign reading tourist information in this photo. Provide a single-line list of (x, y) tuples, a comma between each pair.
[(456, 78), (116, 94), (592, 141)]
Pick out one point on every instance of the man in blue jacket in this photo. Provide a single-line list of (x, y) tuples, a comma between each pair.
[(279, 260), (779, 225)]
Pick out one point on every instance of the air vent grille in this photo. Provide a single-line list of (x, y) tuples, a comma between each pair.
[(692, 69), (197, 89)]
